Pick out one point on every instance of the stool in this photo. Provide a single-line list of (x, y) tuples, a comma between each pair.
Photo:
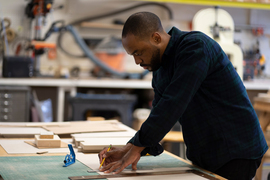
[(176, 136), (122, 103)]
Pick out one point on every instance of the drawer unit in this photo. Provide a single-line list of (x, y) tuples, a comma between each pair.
[(14, 103)]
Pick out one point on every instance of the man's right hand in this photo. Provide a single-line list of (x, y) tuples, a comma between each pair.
[(114, 154)]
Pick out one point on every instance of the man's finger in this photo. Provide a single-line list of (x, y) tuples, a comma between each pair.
[(113, 167), (120, 169), (107, 167), (134, 164), (100, 155)]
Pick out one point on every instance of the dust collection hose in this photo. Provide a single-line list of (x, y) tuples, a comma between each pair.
[(99, 63), (88, 53)]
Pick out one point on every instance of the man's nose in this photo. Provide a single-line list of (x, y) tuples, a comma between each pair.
[(137, 60)]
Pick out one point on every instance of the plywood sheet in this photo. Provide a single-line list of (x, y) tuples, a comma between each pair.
[(103, 140), (20, 132), (103, 135), (87, 126), (20, 147), (97, 144), (127, 133), (31, 124), (81, 137)]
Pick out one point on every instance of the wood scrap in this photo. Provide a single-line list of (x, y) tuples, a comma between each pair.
[(46, 135), (55, 142)]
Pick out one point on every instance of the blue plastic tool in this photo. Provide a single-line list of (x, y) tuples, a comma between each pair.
[(70, 158)]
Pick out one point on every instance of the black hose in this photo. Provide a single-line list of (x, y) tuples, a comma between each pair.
[(123, 10), (59, 39), (99, 63)]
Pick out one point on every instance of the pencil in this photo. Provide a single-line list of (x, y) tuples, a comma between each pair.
[(105, 158)]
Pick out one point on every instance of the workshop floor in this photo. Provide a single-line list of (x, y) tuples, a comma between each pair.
[(266, 168), (266, 171), (266, 165)]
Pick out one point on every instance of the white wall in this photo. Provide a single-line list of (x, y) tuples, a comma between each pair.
[(77, 9)]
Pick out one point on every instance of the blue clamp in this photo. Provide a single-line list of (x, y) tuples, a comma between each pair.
[(70, 158)]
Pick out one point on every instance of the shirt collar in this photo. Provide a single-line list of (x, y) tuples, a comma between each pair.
[(169, 51)]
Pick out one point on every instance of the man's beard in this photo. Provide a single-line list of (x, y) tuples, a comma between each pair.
[(155, 61)]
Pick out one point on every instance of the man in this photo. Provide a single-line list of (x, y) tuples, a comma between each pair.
[(196, 84)]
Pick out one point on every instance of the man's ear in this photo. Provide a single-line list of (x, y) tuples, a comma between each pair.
[(156, 38)]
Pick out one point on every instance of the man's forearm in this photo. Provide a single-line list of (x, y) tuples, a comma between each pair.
[(134, 148), (127, 147)]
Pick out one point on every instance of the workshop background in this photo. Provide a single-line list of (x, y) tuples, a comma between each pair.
[(38, 29), (252, 29)]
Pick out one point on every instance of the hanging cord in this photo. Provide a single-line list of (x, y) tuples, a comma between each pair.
[(59, 39), (5, 37), (3, 28)]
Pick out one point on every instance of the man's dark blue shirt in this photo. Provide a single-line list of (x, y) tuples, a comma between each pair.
[(198, 86)]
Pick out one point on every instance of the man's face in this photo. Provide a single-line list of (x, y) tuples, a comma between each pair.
[(145, 53)]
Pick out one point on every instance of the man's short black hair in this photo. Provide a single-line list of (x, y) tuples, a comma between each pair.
[(142, 25)]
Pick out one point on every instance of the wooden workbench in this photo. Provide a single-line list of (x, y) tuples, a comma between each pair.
[(158, 161)]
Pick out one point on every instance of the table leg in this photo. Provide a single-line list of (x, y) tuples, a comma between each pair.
[(61, 100)]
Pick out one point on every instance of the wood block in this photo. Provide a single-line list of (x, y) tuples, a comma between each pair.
[(55, 142), (46, 135), (95, 118)]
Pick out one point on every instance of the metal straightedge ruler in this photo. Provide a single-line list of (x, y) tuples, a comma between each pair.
[(143, 174)]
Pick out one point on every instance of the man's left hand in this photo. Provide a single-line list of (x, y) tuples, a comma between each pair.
[(131, 157)]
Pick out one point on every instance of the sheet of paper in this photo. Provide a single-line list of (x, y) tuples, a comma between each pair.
[(92, 161), (146, 164)]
